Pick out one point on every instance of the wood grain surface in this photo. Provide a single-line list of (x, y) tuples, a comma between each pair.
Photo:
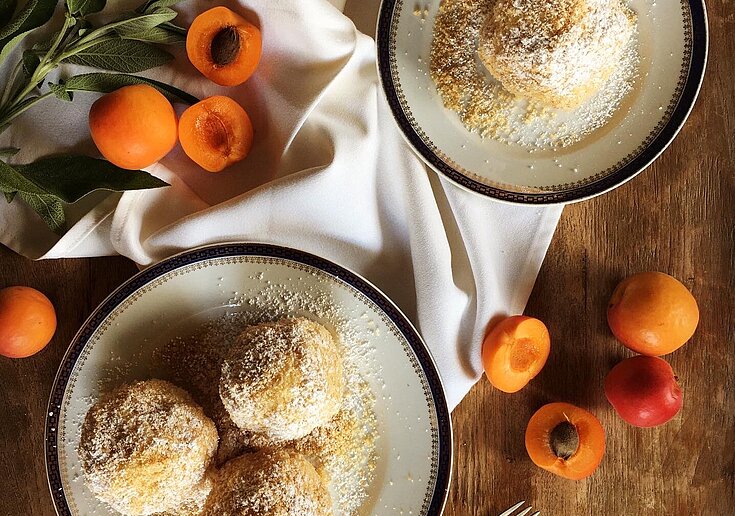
[(677, 217)]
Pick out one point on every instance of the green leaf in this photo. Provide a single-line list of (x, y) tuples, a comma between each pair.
[(48, 207), (11, 180), (6, 152), (158, 35), (107, 82), (121, 55), (142, 23), (172, 27), (30, 62), (11, 44), (7, 8), (17, 22), (72, 177), (152, 5), (34, 14), (60, 91), (85, 7), (9, 196)]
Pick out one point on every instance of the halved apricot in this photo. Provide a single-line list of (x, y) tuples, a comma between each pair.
[(215, 133), (566, 440), (224, 46), (515, 351)]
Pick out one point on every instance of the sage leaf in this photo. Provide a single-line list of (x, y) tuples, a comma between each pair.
[(6, 152), (152, 5), (16, 23), (172, 27), (48, 207), (71, 177), (60, 92), (11, 44), (7, 8), (34, 14), (30, 62), (121, 55), (157, 35), (107, 82), (142, 23), (11, 180), (85, 7)]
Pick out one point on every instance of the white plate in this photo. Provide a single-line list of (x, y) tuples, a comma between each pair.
[(414, 445), (672, 39)]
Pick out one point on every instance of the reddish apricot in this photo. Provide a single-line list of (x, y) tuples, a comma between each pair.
[(134, 126), (652, 313), (27, 321), (215, 133), (643, 391), (224, 46), (515, 351), (566, 440)]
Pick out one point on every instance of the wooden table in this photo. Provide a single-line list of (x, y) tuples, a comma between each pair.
[(677, 217)]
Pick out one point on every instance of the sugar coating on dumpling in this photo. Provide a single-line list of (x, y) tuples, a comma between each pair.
[(556, 52), (145, 447), (283, 379), (268, 483)]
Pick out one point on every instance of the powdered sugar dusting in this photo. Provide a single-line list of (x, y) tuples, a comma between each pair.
[(343, 450), (282, 378), (556, 88)]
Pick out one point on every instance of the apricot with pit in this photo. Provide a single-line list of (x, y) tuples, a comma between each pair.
[(644, 391), (566, 440), (224, 46)]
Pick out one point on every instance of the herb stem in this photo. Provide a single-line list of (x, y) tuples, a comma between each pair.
[(79, 46), (18, 110), (11, 82), (68, 22)]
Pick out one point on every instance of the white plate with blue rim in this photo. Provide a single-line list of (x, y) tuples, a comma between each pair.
[(119, 343), (671, 46)]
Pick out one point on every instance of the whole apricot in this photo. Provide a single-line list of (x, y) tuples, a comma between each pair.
[(644, 391), (27, 321), (134, 126), (652, 313)]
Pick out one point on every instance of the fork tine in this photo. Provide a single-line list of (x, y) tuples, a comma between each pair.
[(525, 511), (537, 513), (510, 511)]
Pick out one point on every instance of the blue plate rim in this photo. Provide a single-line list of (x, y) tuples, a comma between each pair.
[(356, 281), (684, 106)]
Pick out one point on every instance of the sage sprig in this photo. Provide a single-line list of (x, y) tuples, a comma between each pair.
[(129, 44)]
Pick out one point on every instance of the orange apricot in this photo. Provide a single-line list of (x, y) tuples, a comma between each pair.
[(566, 440), (223, 46), (515, 351), (27, 321), (652, 313), (215, 133), (134, 126)]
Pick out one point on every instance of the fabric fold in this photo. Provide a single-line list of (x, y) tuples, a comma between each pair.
[(329, 173)]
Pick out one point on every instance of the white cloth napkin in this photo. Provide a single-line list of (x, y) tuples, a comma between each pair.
[(329, 173)]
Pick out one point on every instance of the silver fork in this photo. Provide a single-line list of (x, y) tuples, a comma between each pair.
[(524, 512)]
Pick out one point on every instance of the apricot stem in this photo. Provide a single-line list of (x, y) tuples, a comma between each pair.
[(564, 440), (225, 46)]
